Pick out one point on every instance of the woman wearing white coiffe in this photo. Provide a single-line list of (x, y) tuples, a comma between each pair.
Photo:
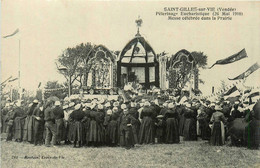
[(218, 132)]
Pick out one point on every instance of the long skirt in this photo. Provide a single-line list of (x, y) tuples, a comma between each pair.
[(28, 129), (112, 133), (217, 134), (252, 134), (71, 125), (18, 128), (126, 137), (205, 130), (96, 132), (77, 131), (147, 131), (172, 131), (181, 125), (60, 129), (190, 130)]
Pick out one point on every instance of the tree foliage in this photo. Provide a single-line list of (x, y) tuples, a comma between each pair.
[(54, 85), (74, 62), (200, 58)]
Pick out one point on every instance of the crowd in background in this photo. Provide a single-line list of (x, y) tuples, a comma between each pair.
[(103, 122)]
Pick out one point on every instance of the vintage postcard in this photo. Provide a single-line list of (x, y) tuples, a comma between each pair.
[(130, 84)]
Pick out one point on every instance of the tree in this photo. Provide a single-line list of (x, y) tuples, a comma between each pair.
[(201, 61), (200, 58), (74, 62), (57, 90)]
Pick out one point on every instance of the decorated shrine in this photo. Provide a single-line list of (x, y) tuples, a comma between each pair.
[(138, 63)]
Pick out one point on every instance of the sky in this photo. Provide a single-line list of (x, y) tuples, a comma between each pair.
[(48, 27)]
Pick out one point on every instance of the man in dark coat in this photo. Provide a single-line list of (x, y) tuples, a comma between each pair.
[(126, 133), (49, 124), (58, 116), (38, 115), (10, 122)]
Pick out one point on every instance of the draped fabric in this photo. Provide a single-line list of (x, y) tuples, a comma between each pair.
[(147, 128), (28, 129), (172, 131), (77, 131), (96, 129), (218, 134), (18, 127)]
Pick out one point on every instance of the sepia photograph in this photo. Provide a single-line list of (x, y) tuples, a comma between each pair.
[(129, 84)]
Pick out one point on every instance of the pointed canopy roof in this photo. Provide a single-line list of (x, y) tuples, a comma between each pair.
[(138, 50)]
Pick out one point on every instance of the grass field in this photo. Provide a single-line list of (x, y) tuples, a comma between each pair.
[(187, 154)]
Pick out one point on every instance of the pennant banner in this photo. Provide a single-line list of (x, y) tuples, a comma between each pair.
[(247, 73), (233, 89), (238, 56), (14, 33), (11, 80)]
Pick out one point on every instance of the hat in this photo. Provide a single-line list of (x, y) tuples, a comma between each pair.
[(65, 107), (35, 101), (77, 106), (100, 106), (212, 105), (116, 104), (170, 105), (71, 104), (109, 112), (115, 109), (57, 103), (107, 104), (236, 102), (133, 104), (93, 105), (165, 104), (147, 103), (101, 101), (218, 108), (188, 105), (123, 106), (66, 99)]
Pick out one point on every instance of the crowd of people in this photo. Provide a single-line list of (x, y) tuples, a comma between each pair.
[(99, 122)]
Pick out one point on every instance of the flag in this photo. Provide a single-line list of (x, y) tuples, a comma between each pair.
[(235, 57), (233, 89), (234, 94), (15, 32), (11, 80), (247, 72), (39, 85)]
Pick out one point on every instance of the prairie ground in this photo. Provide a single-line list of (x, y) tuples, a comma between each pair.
[(193, 154)]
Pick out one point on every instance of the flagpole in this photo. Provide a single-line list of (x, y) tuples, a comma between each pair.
[(19, 71)]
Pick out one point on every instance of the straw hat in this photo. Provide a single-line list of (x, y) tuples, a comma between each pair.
[(71, 104), (147, 103), (218, 108), (77, 106), (65, 107), (123, 106), (107, 104), (35, 101), (109, 112), (100, 106), (115, 109), (57, 103), (170, 105), (116, 104)]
